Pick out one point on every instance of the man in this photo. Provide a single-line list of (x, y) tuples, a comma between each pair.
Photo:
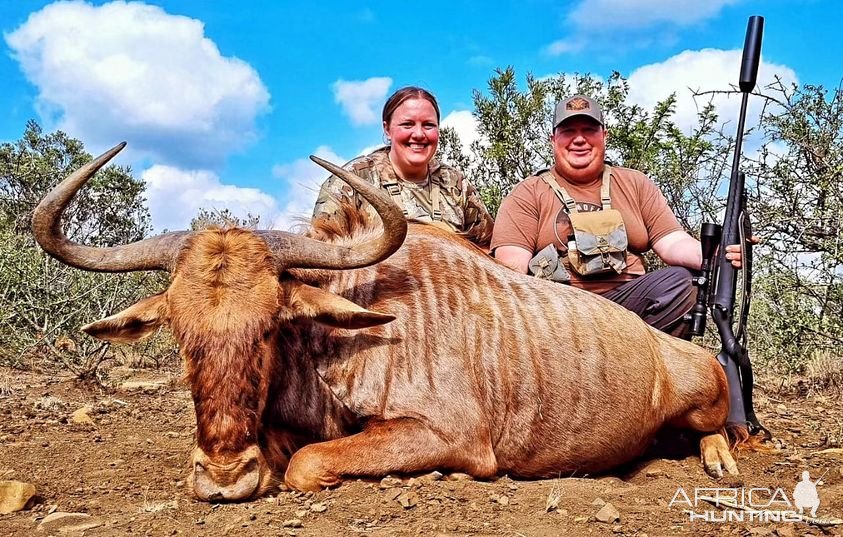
[(534, 216)]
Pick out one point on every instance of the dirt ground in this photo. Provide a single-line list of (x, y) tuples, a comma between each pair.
[(123, 462)]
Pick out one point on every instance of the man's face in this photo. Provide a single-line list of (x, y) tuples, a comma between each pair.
[(579, 147)]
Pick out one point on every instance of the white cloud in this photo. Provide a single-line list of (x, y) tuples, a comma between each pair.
[(609, 14), (464, 123), (132, 71), (174, 197), (304, 178), (359, 98), (702, 70), (564, 46), (601, 25)]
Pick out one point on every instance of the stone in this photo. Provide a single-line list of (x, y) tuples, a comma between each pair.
[(15, 496), (292, 523), (503, 499), (82, 416), (318, 507), (433, 476), (62, 522), (786, 531), (608, 514), (408, 500), (389, 482)]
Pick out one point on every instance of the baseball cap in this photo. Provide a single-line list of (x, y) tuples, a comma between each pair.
[(578, 105)]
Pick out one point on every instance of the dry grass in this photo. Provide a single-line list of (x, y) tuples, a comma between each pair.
[(553, 498), (6, 389), (825, 373), (156, 507), (50, 404)]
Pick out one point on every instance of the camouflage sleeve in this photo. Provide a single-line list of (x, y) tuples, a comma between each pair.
[(333, 190), (478, 221)]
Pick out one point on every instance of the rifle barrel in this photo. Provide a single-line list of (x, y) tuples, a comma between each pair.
[(751, 53)]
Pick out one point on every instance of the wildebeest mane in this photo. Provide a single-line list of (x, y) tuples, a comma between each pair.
[(348, 222)]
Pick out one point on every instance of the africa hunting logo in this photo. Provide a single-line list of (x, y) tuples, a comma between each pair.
[(578, 103), (755, 504)]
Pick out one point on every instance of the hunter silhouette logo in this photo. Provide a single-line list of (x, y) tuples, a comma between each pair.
[(578, 104), (754, 504), (805, 494)]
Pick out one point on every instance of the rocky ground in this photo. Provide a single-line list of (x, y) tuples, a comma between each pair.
[(113, 461)]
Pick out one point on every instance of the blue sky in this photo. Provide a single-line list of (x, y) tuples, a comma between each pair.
[(222, 102)]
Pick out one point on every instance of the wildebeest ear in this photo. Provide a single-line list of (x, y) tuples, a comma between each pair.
[(330, 309), (133, 323)]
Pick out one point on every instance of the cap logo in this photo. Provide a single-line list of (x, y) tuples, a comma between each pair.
[(577, 104)]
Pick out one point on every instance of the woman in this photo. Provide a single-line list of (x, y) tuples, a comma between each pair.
[(427, 190)]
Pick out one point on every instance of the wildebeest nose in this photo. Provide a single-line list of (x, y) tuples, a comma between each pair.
[(239, 484)]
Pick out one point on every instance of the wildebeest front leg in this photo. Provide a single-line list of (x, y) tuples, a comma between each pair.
[(707, 413), (394, 446)]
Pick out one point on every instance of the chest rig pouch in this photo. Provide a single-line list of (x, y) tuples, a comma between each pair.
[(599, 237)]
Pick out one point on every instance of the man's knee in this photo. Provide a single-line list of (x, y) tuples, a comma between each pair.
[(677, 282), (681, 294)]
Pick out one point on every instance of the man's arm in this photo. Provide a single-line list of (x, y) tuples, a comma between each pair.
[(514, 257), (680, 249)]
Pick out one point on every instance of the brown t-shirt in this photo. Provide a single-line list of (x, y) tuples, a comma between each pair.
[(526, 219)]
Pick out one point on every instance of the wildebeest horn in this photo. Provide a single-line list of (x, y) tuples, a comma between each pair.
[(156, 253), (300, 252)]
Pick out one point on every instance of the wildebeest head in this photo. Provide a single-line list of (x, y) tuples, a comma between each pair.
[(229, 294)]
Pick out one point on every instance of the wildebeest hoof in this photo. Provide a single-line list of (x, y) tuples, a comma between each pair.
[(715, 455)]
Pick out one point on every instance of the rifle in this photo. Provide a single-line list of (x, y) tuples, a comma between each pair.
[(716, 269)]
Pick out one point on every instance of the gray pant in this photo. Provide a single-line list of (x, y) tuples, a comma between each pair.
[(661, 298)]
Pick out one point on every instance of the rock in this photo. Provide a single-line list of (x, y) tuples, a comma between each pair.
[(318, 507), (598, 502), (785, 531), (503, 499), (388, 482), (15, 495), (301, 513), (68, 522), (459, 476), (292, 523), (760, 531), (82, 416), (433, 476), (408, 500), (608, 514)]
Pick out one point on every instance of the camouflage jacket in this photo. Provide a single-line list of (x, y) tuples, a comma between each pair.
[(461, 209)]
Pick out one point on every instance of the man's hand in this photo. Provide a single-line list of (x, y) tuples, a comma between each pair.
[(734, 252)]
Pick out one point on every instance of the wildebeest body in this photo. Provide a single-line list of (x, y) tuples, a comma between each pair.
[(356, 352)]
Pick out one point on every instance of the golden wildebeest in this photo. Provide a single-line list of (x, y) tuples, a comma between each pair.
[(354, 352)]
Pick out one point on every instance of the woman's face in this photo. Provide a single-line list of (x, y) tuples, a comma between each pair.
[(413, 131)]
